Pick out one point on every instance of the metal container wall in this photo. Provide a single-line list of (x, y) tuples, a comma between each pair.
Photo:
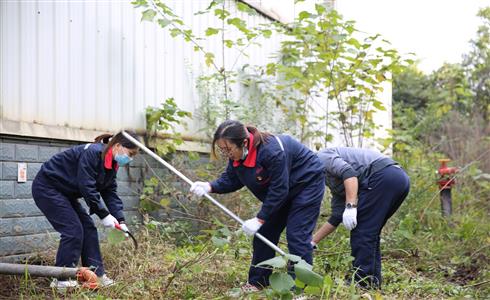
[(70, 67)]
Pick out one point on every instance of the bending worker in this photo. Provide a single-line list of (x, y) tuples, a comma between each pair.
[(282, 173), (87, 171), (367, 188)]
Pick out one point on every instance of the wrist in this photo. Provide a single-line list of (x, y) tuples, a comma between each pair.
[(260, 221), (351, 204)]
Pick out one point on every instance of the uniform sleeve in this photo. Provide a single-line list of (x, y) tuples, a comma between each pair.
[(227, 183), (87, 172), (338, 206), (113, 202), (335, 165), (279, 185)]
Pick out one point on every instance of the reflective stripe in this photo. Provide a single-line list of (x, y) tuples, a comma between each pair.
[(86, 146), (280, 143)]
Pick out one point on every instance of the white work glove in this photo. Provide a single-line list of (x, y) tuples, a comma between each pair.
[(313, 245), (349, 218), (124, 228), (200, 188), (251, 226), (109, 221)]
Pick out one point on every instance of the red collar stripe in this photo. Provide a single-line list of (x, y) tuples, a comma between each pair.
[(108, 160)]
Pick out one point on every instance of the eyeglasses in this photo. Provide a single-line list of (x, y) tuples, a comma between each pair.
[(226, 151)]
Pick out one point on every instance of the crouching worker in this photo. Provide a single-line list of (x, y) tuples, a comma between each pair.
[(367, 188), (282, 173), (87, 171)]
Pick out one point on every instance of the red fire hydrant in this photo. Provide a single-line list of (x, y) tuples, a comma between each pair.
[(445, 182)]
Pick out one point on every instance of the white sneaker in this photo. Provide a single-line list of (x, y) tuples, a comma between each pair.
[(63, 285), (105, 281)]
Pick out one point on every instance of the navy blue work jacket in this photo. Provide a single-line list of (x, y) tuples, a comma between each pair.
[(81, 172), (274, 173)]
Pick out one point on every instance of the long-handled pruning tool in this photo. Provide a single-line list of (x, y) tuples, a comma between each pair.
[(183, 177)]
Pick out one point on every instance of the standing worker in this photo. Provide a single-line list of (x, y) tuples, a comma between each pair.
[(284, 175), (367, 188), (87, 171)]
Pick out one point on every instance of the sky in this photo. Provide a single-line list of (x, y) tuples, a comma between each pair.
[(437, 31)]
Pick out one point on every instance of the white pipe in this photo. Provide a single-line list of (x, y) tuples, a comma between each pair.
[(183, 177)]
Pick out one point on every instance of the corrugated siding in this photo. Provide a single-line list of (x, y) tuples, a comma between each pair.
[(93, 65)]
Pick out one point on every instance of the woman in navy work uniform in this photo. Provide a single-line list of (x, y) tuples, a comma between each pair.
[(367, 189), (87, 171), (282, 173)]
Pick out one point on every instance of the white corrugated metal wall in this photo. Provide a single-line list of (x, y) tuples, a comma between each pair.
[(71, 67)]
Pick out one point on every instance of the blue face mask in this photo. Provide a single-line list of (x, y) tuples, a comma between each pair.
[(122, 159)]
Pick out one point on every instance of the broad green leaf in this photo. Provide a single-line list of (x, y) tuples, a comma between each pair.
[(115, 236), (212, 31), (313, 290), (281, 282), (148, 15), (293, 258), (163, 22), (304, 15), (307, 276), (276, 262)]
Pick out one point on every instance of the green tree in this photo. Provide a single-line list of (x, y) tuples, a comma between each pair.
[(477, 64)]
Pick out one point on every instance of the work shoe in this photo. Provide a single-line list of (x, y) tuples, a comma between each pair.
[(63, 285), (249, 288), (105, 281)]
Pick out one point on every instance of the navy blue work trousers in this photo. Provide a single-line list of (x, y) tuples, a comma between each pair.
[(79, 236), (385, 193), (299, 217)]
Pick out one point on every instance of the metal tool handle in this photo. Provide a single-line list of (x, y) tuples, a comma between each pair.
[(183, 177)]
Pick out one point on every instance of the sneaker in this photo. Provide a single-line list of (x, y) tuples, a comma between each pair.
[(249, 288), (105, 281), (63, 285)]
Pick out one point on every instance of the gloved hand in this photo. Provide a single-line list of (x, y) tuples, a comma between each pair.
[(200, 188), (349, 218), (313, 245), (109, 221), (124, 229), (251, 226)]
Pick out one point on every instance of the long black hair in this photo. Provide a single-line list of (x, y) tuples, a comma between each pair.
[(236, 133), (112, 139)]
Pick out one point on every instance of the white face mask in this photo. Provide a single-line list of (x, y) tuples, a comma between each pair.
[(244, 152)]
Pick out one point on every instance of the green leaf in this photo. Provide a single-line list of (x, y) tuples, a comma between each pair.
[(267, 33), (209, 58), (379, 105), (276, 262), (221, 13), (220, 242), (212, 31), (148, 15), (163, 22), (304, 15), (115, 236), (165, 202), (139, 3), (293, 258), (306, 275), (281, 282), (228, 43)]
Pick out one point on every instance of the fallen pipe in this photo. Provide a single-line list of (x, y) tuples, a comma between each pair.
[(183, 177), (85, 276)]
